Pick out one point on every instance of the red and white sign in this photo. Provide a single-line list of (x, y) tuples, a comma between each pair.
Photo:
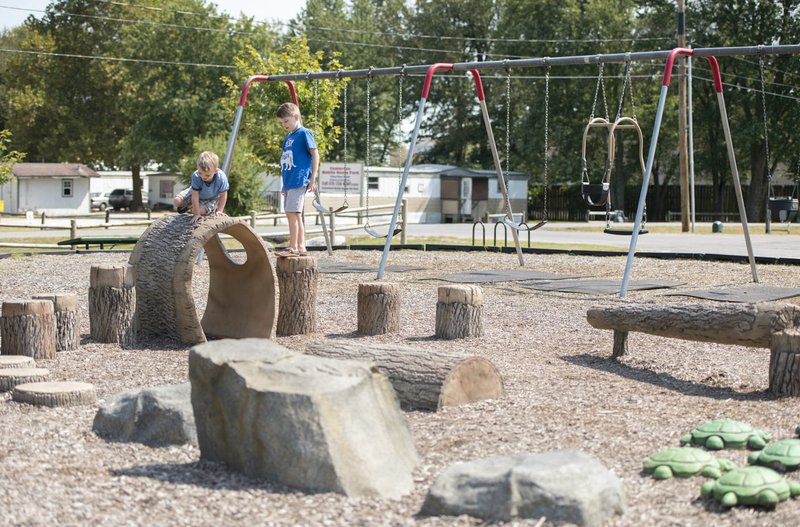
[(334, 177)]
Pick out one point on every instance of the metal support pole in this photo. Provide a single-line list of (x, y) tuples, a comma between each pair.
[(403, 180), (404, 219), (692, 204), (651, 155), (736, 183), (683, 163), (411, 146)]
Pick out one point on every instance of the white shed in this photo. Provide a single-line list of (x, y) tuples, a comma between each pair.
[(54, 188)]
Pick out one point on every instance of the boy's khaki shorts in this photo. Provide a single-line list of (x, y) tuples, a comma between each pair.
[(293, 199), (207, 206)]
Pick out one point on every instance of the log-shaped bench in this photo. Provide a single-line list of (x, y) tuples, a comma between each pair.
[(241, 296), (753, 325), (423, 379)]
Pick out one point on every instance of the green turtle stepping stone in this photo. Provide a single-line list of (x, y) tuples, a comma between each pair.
[(755, 486), (726, 433), (685, 462), (783, 455)]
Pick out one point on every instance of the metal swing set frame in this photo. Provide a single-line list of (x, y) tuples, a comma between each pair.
[(669, 56)]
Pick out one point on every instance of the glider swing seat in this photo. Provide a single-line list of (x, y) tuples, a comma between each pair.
[(598, 194), (782, 209)]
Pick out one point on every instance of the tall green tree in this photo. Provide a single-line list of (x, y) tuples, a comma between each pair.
[(366, 33), (259, 125), (63, 106), (171, 96)]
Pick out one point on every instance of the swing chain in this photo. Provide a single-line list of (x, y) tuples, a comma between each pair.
[(546, 136), (625, 80), (599, 87), (366, 155), (316, 106), (764, 114), (508, 126), (346, 170)]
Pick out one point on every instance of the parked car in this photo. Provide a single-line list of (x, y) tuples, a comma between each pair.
[(122, 198), (99, 200)]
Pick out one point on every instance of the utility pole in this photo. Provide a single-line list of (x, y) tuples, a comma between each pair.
[(683, 157)]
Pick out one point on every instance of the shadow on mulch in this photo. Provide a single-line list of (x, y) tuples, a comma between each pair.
[(664, 380), (206, 474)]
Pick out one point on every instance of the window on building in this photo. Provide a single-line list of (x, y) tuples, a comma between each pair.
[(66, 188), (372, 183), (166, 188)]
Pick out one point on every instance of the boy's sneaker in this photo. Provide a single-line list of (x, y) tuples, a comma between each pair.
[(183, 210)]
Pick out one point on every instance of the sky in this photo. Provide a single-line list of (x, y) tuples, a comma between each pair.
[(13, 12)]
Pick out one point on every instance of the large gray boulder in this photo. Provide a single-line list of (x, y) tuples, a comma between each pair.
[(562, 485), (154, 416), (311, 423)]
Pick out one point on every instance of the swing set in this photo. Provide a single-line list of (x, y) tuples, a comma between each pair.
[(598, 194)]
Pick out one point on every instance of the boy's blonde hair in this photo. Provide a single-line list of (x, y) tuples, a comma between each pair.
[(208, 161), (287, 109)]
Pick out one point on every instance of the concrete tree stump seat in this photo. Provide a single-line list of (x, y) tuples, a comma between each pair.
[(459, 312), (65, 306), (241, 296), (55, 393), (297, 310), (28, 327), (378, 308), (10, 377), (16, 361), (111, 304)]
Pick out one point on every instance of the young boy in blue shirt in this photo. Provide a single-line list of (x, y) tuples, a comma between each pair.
[(299, 166), (208, 191)]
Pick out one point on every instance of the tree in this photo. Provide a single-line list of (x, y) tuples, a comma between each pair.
[(7, 158), (168, 105), (62, 107), (259, 124), (368, 33)]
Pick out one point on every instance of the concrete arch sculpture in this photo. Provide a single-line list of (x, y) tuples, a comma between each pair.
[(241, 296)]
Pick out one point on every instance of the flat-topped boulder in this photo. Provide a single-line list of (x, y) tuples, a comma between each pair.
[(564, 486), (311, 423), (153, 416)]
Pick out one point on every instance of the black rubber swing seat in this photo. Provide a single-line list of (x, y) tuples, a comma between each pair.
[(376, 234), (623, 232), (522, 226)]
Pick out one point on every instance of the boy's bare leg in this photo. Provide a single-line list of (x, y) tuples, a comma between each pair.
[(301, 233), (294, 222)]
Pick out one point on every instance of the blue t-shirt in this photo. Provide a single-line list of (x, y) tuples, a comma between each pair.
[(296, 158), (211, 189)]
